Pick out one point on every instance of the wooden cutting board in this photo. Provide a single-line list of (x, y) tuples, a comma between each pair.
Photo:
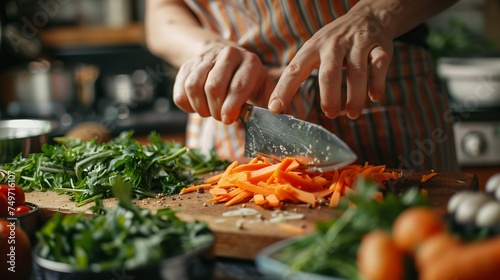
[(243, 236)]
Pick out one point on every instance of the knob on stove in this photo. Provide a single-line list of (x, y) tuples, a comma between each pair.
[(473, 144)]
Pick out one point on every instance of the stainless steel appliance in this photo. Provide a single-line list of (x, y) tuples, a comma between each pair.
[(473, 84), (477, 136)]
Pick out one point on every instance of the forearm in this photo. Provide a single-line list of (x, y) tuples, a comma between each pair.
[(400, 16), (174, 34)]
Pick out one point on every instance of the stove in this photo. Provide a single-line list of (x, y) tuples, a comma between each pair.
[(477, 135)]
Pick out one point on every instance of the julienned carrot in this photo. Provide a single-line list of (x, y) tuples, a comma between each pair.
[(427, 177), (205, 186), (259, 199), (270, 184), (243, 196), (273, 200)]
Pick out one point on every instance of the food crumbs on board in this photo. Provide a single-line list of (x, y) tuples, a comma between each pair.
[(239, 224), (272, 183)]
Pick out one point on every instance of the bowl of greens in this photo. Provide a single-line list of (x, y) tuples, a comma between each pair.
[(124, 242)]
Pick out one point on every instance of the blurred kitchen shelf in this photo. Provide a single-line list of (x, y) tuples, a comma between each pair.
[(81, 36)]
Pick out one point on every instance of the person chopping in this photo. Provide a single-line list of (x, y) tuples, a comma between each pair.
[(360, 69)]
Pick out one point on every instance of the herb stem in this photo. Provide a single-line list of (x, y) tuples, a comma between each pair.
[(79, 171), (90, 199), (168, 157), (55, 170)]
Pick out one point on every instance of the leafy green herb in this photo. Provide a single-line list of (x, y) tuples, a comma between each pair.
[(458, 40), (125, 236), (332, 249), (85, 169)]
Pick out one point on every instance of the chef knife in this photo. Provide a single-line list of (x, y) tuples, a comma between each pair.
[(280, 136)]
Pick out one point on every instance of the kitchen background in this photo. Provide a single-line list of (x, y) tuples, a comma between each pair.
[(78, 61)]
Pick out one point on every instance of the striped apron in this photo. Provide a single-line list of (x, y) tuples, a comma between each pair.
[(409, 128)]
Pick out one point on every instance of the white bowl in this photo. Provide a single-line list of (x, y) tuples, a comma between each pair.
[(472, 82)]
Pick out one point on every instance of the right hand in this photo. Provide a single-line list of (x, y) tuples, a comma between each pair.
[(218, 82)]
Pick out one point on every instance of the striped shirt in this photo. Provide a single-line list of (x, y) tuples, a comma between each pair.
[(410, 127)]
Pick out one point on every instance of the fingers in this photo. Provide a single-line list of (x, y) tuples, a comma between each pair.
[(179, 95), (357, 75), (297, 71), (244, 82), (218, 83), (219, 80), (379, 61), (330, 79)]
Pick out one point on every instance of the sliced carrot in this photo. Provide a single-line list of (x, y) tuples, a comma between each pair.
[(195, 188), (296, 180), (323, 193), (306, 197), (259, 199), (273, 200), (262, 174), (218, 191), (213, 179), (283, 195), (427, 177), (319, 180), (249, 167), (288, 164), (334, 199), (240, 197), (268, 184), (242, 182)]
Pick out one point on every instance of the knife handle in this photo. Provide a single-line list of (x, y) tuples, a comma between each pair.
[(245, 112)]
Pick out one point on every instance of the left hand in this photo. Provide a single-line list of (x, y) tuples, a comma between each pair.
[(360, 42)]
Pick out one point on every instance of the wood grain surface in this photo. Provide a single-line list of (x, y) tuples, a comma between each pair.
[(244, 236)]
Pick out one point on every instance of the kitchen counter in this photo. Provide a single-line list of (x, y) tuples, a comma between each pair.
[(242, 237)]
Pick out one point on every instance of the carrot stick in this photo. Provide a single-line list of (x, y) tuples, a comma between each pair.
[(240, 197), (262, 174), (213, 179), (218, 191), (273, 200), (249, 167), (335, 199), (242, 182), (283, 195), (259, 199), (195, 188), (296, 180), (427, 177), (322, 193), (301, 195)]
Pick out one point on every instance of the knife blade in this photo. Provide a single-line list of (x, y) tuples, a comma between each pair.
[(280, 136)]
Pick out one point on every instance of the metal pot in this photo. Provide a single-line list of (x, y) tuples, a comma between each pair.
[(50, 90), (22, 136)]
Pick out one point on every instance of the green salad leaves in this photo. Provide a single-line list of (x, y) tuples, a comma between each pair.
[(125, 236), (84, 169)]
